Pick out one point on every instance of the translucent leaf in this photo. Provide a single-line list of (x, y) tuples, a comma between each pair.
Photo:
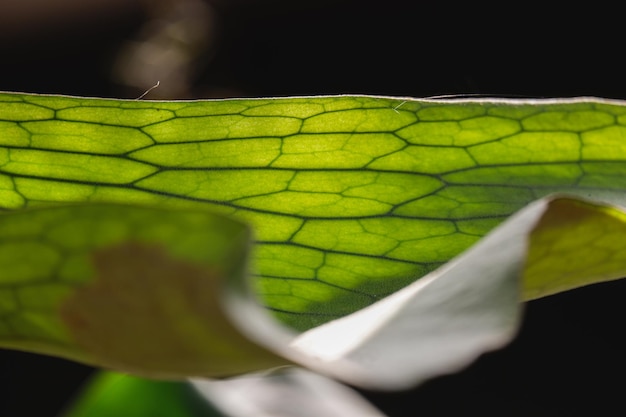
[(111, 394), (351, 197)]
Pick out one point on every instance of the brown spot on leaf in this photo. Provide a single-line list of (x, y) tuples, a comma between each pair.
[(564, 212), (149, 313)]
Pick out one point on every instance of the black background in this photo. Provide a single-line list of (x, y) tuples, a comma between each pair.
[(569, 357)]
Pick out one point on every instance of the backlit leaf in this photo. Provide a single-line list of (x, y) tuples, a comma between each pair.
[(350, 198), (133, 288)]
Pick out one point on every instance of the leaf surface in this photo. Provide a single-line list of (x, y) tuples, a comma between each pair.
[(444, 321), (133, 288), (351, 198), (112, 394)]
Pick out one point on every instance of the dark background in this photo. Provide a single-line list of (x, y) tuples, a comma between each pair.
[(569, 357)]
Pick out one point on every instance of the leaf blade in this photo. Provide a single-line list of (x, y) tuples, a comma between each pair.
[(472, 162), (133, 288)]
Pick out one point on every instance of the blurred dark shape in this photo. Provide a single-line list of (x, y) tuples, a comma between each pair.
[(171, 48), (33, 21), (63, 46)]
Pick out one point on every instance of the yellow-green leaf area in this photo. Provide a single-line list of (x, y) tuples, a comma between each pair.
[(42, 296), (557, 174), (425, 159), (13, 135), (434, 249), (365, 275), (400, 230), (554, 147), (293, 109), (438, 112), (365, 120), (288, 261), (346, 103), (75, 268), (214, 107), (63, 102), (335, 150), (227, 153), (316, 204), (8, 302), (477, 226), (218, 185), (344, 236), (299, 296), (292, 296), (271, 227), (595, 143), (385, 187), (515, 113), (84, 137), (53, 191), (43, 192), (11, 97), (394, 188), (460, 133), (255, 126), (24, 262), (431, 133), (483, 129), (329, 181), (457, 202), (576, 121), (36, 331), (607, 175), (220, 127), (575, 244), (192, 129), (79, 233), (122, 195), (83, 167), (115, 116), (9, 197), (19, 112)]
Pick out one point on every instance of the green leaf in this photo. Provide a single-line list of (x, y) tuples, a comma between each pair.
[(111, 394), (133, 288), (575, 244), (350, 198), (444, 321), (288, 392), (447, 319), (438, 324)]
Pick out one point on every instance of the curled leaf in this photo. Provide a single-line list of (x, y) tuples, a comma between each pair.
[(130, 288), (444, 321)]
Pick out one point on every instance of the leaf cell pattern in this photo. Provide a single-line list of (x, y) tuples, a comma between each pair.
[(350, 197)]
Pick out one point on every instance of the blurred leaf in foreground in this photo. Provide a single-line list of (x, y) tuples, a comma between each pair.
[(111, 394), (133, 288)]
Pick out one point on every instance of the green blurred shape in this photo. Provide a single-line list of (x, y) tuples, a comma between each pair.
[(134, 288), (111, 394)]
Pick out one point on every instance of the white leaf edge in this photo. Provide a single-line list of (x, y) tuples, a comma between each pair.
[(285, 392)]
